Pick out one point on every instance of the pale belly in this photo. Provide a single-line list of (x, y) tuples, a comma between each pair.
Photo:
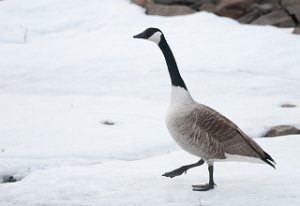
[(189, 136), (182, 132)]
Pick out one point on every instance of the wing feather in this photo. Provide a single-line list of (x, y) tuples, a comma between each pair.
[(226, 136)]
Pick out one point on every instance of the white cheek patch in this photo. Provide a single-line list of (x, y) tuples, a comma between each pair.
[(155, 37)]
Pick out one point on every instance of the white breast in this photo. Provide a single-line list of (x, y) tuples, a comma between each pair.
[(181, 103)]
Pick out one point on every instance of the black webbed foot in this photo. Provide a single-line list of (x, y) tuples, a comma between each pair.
[(182, 169), (176, 172), (211, 184), (204, 187)]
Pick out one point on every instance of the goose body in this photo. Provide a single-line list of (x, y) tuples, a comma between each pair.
[(206, 133), (199, 129)]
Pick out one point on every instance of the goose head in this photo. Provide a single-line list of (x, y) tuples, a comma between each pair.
[(152, 34)]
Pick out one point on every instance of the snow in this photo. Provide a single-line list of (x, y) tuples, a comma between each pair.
[(68, 66), (140, 182)]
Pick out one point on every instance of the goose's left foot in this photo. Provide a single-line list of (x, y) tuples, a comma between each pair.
[(176, 172), (205, 187), (183, 169), (211, 184)]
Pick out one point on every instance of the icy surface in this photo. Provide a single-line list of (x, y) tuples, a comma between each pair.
[(68, 66)]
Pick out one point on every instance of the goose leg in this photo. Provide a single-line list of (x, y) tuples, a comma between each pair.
[(210, 184), (183, 169)]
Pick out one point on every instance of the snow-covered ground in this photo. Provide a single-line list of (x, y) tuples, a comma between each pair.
[(67, 66)]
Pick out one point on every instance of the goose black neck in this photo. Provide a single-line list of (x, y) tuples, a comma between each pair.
[(176, 79)]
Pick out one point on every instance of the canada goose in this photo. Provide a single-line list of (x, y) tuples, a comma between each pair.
[(199, 129)]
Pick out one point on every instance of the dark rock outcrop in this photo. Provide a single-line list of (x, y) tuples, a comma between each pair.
[(281, 13)]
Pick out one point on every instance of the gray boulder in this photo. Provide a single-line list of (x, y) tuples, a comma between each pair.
[(281, 130), (276, 18), (294, 11), (181, 2), (289, 2), (296, 30), (288, 105), (233, 8), (171, 10)]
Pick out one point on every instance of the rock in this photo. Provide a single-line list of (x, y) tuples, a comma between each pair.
[(262, 8), (107, 122), (281, 13), (275, 3), (276, 18), (248, 18), (294, 11), (231, 13), (296, 30), (234, 4), (139, 2), (287, 105), (255, 11), (232, 8), (289, 2), (8, 179), (164, 10), (181, 2), (207, 7), (282, 130)]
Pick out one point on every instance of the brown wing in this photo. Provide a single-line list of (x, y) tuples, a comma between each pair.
[(226, 135)]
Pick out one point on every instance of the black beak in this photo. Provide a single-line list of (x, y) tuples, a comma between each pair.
[(140, 36)]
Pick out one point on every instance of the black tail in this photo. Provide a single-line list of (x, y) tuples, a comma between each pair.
[(269, 160)]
